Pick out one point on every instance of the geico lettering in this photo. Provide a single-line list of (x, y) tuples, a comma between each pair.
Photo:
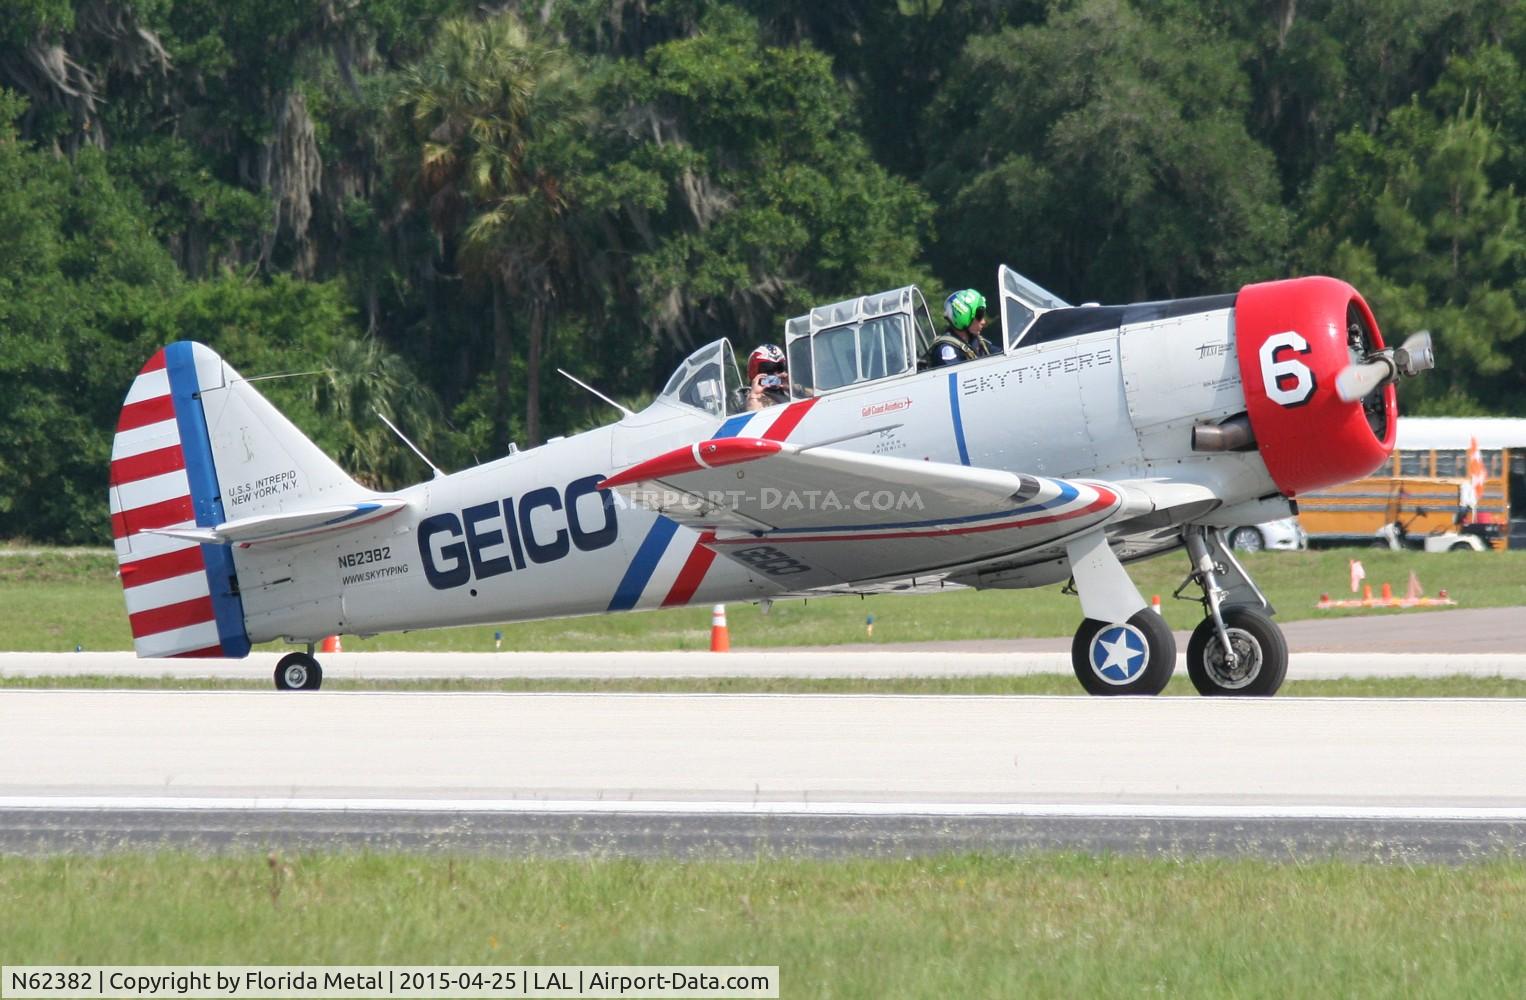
[(770, 560), (585, 540), (489, 539), (446, 565), (538, 551), (511, 528), (477, 540)]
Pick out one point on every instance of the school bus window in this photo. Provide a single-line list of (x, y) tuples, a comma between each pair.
[(1414, 463), (1451, 462)]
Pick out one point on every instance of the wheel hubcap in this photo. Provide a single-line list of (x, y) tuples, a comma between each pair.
[(1247, 664), (296, 675), (1119, 654)]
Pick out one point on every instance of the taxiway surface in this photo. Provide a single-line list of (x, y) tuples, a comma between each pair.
[(1478, 642)]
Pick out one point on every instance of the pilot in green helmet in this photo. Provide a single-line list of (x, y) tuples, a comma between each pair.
[(965, 311)]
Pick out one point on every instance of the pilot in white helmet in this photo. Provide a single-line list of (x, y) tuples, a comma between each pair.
[(767, 379)]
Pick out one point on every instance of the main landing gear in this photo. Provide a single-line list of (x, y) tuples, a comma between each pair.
[(1132, 657), (299, 672), (1122, 647), (1237, 649)]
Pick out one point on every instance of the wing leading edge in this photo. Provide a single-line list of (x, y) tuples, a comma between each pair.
[(819, 517)]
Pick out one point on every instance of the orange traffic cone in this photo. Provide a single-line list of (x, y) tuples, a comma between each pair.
[(720, 636), (1367, 593), (1155, 603), (331, 644), (1388, 594)]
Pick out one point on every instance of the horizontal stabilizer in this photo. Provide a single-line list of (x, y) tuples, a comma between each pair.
[(267, 528)]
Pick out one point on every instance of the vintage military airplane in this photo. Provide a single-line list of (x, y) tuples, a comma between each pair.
[(1095, 436)]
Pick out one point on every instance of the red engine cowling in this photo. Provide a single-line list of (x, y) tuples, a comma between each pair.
[(1293, 337)]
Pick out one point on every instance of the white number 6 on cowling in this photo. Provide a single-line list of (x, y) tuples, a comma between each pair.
[(1288, 381)]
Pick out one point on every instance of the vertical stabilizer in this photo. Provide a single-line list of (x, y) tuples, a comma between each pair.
[(196, 445)]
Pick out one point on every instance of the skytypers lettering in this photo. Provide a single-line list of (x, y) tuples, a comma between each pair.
[(496, 537)]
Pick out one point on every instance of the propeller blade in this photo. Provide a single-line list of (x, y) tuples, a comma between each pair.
[(1416, 355), (1356, 381)]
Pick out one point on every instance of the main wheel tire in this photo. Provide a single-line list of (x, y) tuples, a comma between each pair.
[(298, 672), (1258, 642), (1247, 540), (1133, 657)]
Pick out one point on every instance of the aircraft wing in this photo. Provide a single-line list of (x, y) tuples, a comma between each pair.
[(813, 516)]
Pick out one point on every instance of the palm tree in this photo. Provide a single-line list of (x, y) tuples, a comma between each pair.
[(363, 379), (490, 104)]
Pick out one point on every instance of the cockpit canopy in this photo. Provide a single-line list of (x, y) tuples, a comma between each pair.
[(858, 340), (707, 379), (1022, 302), (852, 342)]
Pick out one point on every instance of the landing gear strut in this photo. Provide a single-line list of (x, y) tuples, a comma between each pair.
[(299, 672), (1237, 649), (1122, 647), (1260, 660)]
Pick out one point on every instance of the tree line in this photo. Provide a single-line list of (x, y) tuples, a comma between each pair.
[(433, 203)]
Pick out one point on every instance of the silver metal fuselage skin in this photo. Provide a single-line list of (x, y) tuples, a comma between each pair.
[(1117, 405)]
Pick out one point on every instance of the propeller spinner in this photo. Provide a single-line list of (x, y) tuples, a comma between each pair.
[(1355, 381)]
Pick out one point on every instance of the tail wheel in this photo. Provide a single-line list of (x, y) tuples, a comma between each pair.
[(1132, 657), (298, 672), (1261, 655)]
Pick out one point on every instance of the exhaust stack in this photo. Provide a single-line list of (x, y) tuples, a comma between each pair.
[(1234, 434)]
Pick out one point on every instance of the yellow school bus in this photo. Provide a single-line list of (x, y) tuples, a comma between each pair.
[(1421, 484)]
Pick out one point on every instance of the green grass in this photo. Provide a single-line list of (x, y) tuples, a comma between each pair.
[(972, 926), (53, 601), (1454, 686)]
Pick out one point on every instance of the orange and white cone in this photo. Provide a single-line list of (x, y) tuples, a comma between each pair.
[(1155, 603), (720, 636), (331, 644)]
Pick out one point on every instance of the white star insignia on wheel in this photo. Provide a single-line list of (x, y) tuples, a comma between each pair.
[(1125, 654)]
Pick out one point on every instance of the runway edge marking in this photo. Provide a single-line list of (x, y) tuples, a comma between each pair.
[(61, 803)]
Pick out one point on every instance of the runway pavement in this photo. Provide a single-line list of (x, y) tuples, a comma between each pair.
[(732, 776), (884, 662), (823, 774)]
